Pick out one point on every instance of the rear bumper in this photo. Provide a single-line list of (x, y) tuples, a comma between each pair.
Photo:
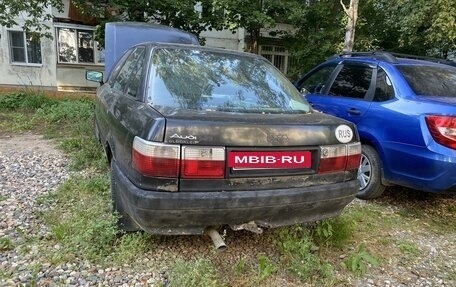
[(431, 169), (160, 212)]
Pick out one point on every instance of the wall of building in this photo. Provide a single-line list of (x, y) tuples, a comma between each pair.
[(20, 74), (225, 39)]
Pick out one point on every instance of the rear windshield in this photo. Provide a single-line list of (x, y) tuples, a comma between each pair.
[(216, 81), (431, 80)]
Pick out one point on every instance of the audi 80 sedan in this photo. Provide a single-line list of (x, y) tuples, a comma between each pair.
[(200, 137)]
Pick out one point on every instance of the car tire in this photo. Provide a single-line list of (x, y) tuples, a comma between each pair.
[(124, 221), (369, 174)]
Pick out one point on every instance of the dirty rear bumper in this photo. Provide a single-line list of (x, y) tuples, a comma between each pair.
[(159, 212)]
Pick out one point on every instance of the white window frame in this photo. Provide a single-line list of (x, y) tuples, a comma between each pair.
[(97, 54), (276, 50), (25, 47)]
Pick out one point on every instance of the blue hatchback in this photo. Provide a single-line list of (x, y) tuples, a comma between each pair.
[(405, 110)]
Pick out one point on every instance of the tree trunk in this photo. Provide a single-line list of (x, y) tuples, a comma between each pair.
[(352, 15), (254, 37)]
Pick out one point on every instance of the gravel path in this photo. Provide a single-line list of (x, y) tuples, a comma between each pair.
[(31, 167)]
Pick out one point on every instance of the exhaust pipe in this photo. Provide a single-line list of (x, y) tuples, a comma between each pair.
[(219, 244)]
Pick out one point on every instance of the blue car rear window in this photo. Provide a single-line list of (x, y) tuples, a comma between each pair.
[(430, 80), (197, 79)]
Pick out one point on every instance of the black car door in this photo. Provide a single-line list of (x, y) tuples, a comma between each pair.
[(125, 89)]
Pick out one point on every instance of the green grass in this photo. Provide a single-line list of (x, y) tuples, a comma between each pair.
[(359, 261), (299, 254), (199, 272), (409, 248), (82, 220), (6, 244), (327, 253)]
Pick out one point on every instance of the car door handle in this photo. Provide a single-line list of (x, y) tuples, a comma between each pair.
[(354, 112)]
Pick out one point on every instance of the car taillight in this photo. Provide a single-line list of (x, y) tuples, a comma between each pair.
[(353, 156), (155, 159), (339, 157), (443, 130), (203, 162), (164, 160)]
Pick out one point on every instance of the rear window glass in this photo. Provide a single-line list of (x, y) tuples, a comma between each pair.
[(431, 81), (216, 81)]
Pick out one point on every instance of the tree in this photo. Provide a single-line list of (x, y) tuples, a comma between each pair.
[(319, 33), (352, 17), (32, 15), (421, 27), (253, 15), (193, 16)]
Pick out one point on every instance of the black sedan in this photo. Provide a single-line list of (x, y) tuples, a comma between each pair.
[(199, 137)]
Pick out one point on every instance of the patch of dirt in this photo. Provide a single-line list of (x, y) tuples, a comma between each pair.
[(26, 142)]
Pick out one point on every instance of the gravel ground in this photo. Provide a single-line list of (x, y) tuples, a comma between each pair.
[(31, 167)]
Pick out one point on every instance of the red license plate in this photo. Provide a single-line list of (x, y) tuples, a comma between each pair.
[(269, 159)]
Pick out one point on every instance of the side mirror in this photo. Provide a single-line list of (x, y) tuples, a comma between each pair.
[(94, 76)]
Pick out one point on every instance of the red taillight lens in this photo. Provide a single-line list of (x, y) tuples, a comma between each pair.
[(155, 159), (333, 158), (443, 130), (203, 162), (339, 157), (353, 156)]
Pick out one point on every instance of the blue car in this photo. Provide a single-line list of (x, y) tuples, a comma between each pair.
[(405, 111)]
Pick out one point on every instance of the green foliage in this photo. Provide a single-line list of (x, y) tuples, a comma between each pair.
[(335, 231), (240, 267), (266, 268), (319, 34), (199, 272), (38, 12), (358, 262), (324, 230), (81, 218), (420, 27), (6, 244), (409, 248), (178, 14), (67, 111), (298, 249), (26, 101), (130, 245), (85, 152)]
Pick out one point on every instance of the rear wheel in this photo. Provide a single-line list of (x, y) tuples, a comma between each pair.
[(369, 174), (124, 221)]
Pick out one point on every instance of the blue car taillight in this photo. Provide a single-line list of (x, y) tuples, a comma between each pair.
[(442, 129)]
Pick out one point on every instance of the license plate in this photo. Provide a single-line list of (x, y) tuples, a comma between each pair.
[(269, 159)]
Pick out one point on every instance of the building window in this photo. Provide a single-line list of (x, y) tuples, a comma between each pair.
[(78, 46), (24, 48), (277, 55)]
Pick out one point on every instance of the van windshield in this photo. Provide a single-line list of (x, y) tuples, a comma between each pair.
[(194, 79)]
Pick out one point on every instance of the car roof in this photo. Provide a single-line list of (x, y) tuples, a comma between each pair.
[(392, 58), (155, 45)]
